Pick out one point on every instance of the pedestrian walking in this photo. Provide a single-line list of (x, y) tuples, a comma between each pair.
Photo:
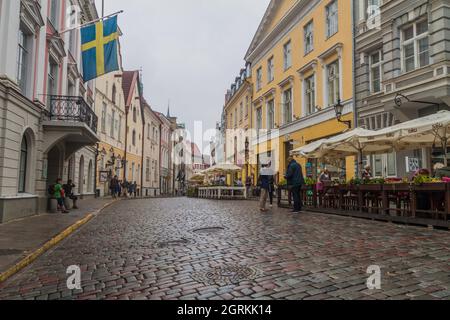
[(264, 184), (135, 189), (271, 189), (248, 186), (295, 180), (113, 186)]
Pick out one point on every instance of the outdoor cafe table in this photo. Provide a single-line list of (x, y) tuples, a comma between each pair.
[(222, 192)]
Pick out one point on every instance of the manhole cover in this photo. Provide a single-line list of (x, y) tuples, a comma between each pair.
[(173, 243), (10, 252), (226, 275), (208, 230)]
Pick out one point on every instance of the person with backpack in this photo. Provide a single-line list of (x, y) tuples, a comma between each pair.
[(68, 191), (59, 195)]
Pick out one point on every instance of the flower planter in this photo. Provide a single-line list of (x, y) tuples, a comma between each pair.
[(432, 186)]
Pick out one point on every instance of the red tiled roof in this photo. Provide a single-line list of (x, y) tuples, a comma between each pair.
[(129, 79)]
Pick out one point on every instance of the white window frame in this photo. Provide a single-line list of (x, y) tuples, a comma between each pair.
[(23, 59), (373, 66), (259, 79), (284, 103), (270, 70), (337, 84), (329, 19), (415, 41), (308, 110), (271, 103), (308, 35), (287, 55), (384, 165), (259, 119)]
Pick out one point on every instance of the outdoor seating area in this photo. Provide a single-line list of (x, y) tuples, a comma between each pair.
[(423, 198), (212, 184), (426, 204)]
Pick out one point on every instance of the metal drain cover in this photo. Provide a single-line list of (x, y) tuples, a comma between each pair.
[(208, 230), (10, 252), (226, 275), (173, 243)]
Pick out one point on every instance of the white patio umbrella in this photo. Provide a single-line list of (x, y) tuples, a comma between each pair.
[(418, 133), (222, 168)]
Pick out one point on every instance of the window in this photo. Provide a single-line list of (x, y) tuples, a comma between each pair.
[(287, 106), (270, 115), (147, 170), (376, 61), (309, 38), (235, 118), (119, 130), (270, 75), (134, 114), (333, 83), (259, 79), (415, 46), (259, 119), (54, 13), (72, 44), (287, 55), (22, 61), (104, 117), (246, 106), (114, 92), (332, 18), (133, 138), (23, 165), (113, 118), (241, 112), (52, 80), (310, 95)]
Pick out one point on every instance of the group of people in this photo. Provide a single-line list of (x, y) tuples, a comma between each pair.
[(60, 192), (121, 188), (295, 180)]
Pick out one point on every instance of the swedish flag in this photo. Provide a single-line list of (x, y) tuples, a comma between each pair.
[(99, 48)]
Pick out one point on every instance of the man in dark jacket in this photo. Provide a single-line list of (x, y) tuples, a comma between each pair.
[(264, 184), (295, 180)]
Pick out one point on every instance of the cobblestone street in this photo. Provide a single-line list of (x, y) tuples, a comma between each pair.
[(160, 249)]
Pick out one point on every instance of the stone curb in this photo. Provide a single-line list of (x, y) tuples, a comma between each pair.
[(50, 244)]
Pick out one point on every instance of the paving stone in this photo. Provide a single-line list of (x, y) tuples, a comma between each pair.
[(296, 257)]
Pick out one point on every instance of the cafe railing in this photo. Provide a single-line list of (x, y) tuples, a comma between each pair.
[(424, 204)]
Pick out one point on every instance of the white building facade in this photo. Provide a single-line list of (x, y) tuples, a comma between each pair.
[(49, 129)]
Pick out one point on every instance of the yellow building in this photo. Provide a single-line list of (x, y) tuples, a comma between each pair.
[(301, 58), (134, 127), (238, 115)]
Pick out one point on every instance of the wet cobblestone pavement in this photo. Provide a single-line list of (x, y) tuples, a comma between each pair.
[(198, 249)]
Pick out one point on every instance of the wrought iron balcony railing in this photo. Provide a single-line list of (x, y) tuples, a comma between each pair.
[(72, 109)]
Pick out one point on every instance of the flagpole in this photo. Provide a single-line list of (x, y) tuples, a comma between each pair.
[(91, 22), (103, 8)]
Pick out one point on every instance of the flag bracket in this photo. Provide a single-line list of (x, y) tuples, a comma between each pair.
[(92, 22)]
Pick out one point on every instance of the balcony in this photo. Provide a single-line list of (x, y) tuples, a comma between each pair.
[(70, 121), (72, 109)]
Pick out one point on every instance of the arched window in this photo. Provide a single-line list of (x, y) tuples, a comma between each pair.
[(134, 138), (23, 165), (114, 94), (134, 114)]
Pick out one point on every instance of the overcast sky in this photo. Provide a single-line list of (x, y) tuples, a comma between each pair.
[(190, 51)]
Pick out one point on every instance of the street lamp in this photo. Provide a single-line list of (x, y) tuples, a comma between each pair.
[(339, 109), (399, 100)]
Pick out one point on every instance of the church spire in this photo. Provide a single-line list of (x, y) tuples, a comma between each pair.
[(168, 110)]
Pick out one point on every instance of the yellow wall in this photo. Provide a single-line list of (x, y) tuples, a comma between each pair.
[(231, 108), (293, 79)]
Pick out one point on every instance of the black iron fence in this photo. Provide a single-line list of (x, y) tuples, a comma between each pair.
[(72, 109)]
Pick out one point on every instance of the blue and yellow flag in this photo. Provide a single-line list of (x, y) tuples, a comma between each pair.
[(99, 48)]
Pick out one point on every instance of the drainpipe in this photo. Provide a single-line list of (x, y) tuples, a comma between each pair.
[(355, 110), (142, 156), (127, 109)]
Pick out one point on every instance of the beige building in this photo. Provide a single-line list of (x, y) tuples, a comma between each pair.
[(151, 154), (134, 123), (110, 110)]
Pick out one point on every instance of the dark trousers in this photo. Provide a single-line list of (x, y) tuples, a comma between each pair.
[(297, 198), (271, 196)]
